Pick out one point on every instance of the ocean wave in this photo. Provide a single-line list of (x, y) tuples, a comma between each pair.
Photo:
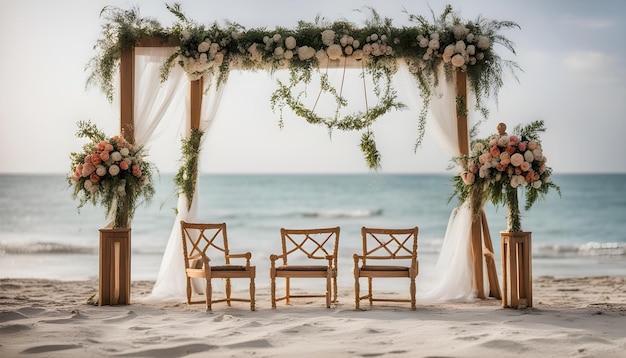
[(589, 249), (46, 248), (343, 213)]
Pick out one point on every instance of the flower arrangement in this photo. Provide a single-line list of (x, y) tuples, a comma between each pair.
[(445, 41), (500, 165), (111, 172)]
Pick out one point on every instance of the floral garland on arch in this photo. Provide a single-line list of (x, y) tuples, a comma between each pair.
[(110, 172), (501, 164), (446, 40)]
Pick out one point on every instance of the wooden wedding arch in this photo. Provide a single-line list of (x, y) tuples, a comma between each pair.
[(481, 242)]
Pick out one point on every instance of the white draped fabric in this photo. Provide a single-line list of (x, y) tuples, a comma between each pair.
[(171, 283), (453, 277)]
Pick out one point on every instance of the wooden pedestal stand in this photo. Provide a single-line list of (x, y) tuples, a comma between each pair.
[(517, 290), (114, 286)]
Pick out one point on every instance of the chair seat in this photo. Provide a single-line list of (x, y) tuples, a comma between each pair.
[(228, 268), (383, 268), (302, 268)]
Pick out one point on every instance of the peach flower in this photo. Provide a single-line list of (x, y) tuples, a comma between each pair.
[(522, 146), (517, 159), (495, 151), (104, 156), (123, 165), (94, 177)]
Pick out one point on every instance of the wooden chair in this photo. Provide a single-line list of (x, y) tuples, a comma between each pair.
[(392, 246), (206, 254), (306, 245)]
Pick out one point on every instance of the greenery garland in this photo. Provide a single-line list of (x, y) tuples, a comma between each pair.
[(187, 175), (214, 50)]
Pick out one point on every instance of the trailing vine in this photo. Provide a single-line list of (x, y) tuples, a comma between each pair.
[(187, 175)]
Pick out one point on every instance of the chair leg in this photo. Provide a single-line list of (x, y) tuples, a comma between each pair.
[(413, 293), (335, 289), (286, 290), (209, 294), (188, 290), (328, 291), (252, 294), (228, 291), (273, 288), (369, 290)]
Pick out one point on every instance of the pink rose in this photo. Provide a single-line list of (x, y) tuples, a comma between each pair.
[(473, 168), (510, 149), (75, 177), (542, 168), (101, 145), (518, 171), (95, 159), (529, 177), (532, 145), (94, 177), (87, 159), (505, 158), (108, 147), (495, 151), (517, 159), (522, 146), (514, 139), (104, 156), (525, 166), (88, 169), (501, 167), (123, 165), (485, 158)]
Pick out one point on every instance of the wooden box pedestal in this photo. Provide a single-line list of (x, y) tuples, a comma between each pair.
[(517, 290), (114, 286)]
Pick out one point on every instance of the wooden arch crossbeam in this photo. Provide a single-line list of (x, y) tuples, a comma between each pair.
[(481, 240)]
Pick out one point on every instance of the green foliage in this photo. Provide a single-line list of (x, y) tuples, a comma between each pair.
[(187, 175)]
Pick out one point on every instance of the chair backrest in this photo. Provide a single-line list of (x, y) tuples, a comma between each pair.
[(208, 239), (315, 244), (391, 244)]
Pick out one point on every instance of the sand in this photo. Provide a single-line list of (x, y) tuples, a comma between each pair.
[(571, 317)]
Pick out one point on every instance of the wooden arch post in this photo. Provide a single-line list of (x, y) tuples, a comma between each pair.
[(480, 231)]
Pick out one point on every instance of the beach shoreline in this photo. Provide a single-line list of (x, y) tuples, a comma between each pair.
[(576, 317)]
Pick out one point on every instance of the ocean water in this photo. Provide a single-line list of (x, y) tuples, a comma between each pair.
[(42, 235)]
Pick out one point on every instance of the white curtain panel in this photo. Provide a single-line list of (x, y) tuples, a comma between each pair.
[(453, 279), (171, 283)]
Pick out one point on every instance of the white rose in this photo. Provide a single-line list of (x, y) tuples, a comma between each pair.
[(101, 170), (328, 37), (204, 46), (483, 42), (219, 58), (116, 156), (356, 44), (367, 49), (424, 42), (517, 159), (266, 39), (469, 38), (344, 40), (334, 51), (358, 55), (290, 43), (434, 36), (457, 60), (279, 52), (124, 151), (480, 56), (537, 184), (471, 50), (276, 37), (305, 52), (434, 44), (186, 35), (374, 37), (538, 154), (321, 55), (214, 48), (114, 170), (459, 47), (288, 55), (528, 156), (348, 50)]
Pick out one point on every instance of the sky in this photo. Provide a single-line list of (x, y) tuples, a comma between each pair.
[(570, 52)]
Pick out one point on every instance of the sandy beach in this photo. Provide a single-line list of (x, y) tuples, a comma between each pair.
[(571, 317)]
